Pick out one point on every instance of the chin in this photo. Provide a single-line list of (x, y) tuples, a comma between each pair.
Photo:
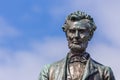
[(77, 48)]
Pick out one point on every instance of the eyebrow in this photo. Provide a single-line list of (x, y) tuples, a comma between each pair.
[(78, 28)]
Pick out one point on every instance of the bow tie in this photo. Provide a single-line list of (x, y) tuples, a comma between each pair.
[(79, 58)]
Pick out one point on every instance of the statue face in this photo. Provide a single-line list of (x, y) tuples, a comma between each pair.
[(78, 35)]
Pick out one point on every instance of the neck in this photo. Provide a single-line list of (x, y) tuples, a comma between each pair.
[(72, 52)]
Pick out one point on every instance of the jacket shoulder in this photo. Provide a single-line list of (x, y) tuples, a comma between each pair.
[(100, 66), (44, 74), (58, 63), (105, 71), (97, 64)]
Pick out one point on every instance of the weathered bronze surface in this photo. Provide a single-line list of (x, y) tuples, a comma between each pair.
[(79, 28)]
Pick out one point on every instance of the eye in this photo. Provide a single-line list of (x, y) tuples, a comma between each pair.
[(82, 31), (72, 31)]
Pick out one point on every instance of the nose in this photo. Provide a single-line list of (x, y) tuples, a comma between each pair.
[(76, 33), (79, 35)]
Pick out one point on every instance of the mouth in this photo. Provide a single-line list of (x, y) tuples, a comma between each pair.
[(76, 42)]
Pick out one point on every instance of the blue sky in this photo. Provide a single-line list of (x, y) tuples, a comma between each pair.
[(31, 34)]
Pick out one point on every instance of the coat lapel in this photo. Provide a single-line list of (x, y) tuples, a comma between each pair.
[(90, 69), (61, 71), (64, 77)]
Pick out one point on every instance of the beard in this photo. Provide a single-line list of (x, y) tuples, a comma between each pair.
[(78, 47)]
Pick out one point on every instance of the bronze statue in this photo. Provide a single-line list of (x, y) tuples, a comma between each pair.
[(79, 28)]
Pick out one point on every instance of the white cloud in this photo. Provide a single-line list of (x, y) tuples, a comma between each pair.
[(6, 30), (28, 15), (21, 65), (26, 65), (52, 47), (110, 21)]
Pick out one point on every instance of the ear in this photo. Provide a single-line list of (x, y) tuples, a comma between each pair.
[(66, 35), (91, 35)]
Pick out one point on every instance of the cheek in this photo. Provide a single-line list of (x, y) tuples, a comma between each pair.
[(86, 38), (69, 35)]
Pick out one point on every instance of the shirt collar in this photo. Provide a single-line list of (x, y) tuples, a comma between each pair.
[(78, 58)]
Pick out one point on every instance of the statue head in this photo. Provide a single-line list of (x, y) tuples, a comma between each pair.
[(79, 28)]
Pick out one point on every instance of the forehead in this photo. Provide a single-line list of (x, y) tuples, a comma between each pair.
[(82, 24)]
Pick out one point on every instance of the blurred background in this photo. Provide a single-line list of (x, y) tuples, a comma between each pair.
[(31, 34)]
